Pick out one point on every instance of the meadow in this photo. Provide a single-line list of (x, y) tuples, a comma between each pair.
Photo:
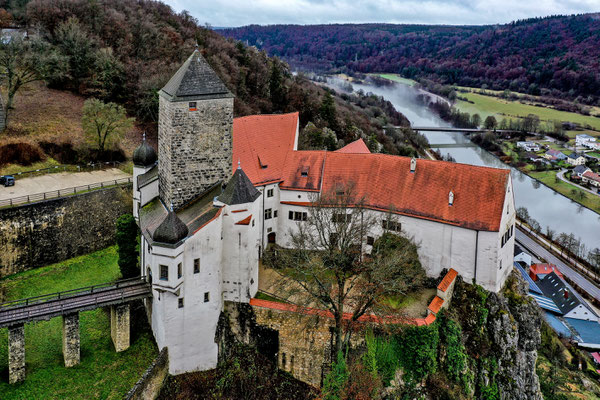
[(102, 373)]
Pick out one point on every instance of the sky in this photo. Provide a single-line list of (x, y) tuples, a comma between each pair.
[(230, 13)]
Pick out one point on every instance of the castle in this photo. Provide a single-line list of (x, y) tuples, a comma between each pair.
[(221, 189)]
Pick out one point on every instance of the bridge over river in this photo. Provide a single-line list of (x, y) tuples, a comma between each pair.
[(116, 295)]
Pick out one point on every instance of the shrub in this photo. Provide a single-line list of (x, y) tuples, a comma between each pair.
[(20, 153), (127, 237)]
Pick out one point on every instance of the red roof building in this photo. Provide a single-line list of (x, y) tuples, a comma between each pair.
[(538, 271)]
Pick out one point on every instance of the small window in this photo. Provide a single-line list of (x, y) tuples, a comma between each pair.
[(192, 106), (206, 297), (179, 267), (253, 220), (274, 213), (268, 213), (370, 240), (164, 273), (341, 217), (180, 302), (291, 215), (304, 171), (391, 225), (270, 193), (196, 265), (333, 238)]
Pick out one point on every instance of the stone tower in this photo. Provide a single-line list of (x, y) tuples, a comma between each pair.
[(195, 124)]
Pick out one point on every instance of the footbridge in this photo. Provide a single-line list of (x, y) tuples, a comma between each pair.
[(116, 295), (452, 129)]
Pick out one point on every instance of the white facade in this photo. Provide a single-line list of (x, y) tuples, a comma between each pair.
[(529, 146)]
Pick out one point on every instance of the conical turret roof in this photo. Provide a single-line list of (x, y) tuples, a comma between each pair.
[(171, 230), (239, 189), (195, 79)]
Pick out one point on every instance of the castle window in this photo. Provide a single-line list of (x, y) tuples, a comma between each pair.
[(164, 272), (283, 361), (180, 302), (252, 222), (391, 225), (196, 265), (270, 193), (298, 216), (179, 267), (275, 214), (268, 213), (341, 217), (192, 106), (206, 297), (370, 240)]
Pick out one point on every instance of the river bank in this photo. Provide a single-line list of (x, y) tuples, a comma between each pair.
[(550, 208)]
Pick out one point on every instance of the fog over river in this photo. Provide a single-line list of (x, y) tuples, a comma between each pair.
[(545, 205)]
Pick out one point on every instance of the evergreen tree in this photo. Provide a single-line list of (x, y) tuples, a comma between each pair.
[(276, 88), (127, 240), (328, 112)]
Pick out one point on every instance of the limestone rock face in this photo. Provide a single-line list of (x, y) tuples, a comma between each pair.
[(513, 325)]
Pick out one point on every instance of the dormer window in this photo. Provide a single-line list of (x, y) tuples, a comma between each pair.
[(192, 106), (262, 164), (450, 198), (304, 171)]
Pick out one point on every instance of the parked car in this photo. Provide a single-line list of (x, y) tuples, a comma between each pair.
[(7, 180)]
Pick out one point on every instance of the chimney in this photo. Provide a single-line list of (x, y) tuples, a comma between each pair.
[(413, 164), (450, 198)]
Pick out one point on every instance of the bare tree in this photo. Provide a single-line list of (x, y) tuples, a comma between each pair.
[(328, 266)]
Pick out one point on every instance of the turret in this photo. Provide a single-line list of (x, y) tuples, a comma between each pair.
[(144, 159)]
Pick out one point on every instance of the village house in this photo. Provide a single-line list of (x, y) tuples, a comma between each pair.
[(529, 146), (576, 159), (585, 140), (555, 155), (221, 190), (580, 170), (591, 177)]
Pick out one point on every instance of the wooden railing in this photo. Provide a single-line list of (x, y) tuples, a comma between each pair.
[(70, 293), (54, 194)]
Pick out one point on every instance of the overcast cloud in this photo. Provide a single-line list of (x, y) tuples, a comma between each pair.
[(221, 13)]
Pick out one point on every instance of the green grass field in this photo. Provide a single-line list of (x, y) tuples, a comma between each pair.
[(548, 177), (103, 373), (397, 78), (487, 105)]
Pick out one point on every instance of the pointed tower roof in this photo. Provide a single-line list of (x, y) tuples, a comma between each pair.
[(239, 189), (171, 230), (195, 80)]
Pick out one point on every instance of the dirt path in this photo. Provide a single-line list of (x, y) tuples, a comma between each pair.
[(61, 180)]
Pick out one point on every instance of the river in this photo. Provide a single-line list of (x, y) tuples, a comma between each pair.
[(545, 205)]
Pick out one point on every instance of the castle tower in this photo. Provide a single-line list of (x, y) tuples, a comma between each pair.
[(194, 132)]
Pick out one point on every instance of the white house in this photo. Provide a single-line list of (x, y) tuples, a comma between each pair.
[(529, 146), (576, 159), (569, 303), (204, 227), (584, 140)]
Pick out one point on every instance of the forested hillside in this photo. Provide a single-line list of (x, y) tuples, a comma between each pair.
[(554, 56), (124, 51)]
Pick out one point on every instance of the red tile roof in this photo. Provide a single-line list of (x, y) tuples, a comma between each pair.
[(263, 140), (436, 304), (384, 181), (448, 279), (358, 146), (591, 175), (245, 221), (274, 305), (536, 269)]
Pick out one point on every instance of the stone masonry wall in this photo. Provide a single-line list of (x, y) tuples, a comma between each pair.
[(304, 343), (194, 147), (149, 385), (43, 233)]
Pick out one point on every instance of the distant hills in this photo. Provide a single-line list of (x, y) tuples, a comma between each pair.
[(557, 56)]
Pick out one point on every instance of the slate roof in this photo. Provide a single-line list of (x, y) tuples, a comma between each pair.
[(575, 156), (148, 177), (554, 288), (171, 230), (580, 169), (239, 190), (144, 155), (195, 80)]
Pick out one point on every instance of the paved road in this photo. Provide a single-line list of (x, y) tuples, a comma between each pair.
[(561, 176), (61, 180), (576, 277)]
